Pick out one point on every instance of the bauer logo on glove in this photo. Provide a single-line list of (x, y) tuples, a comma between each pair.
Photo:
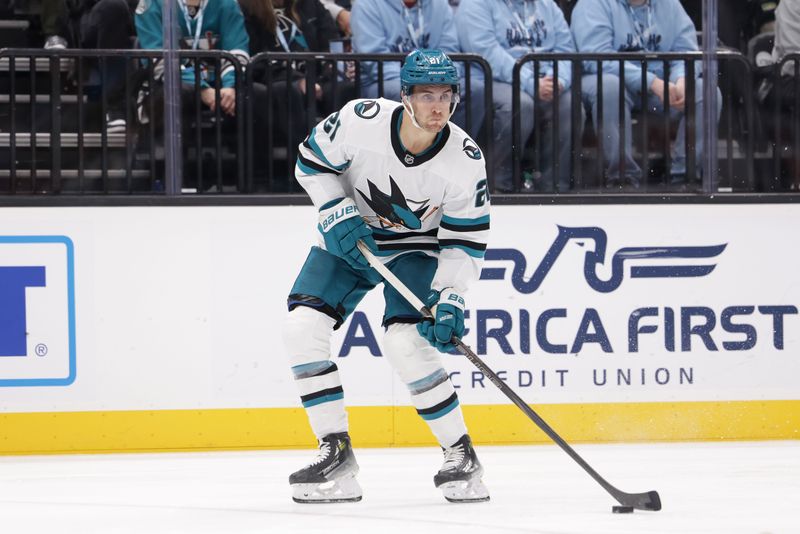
[(342, 227), (456, 298), (447, 308), (341, 213)]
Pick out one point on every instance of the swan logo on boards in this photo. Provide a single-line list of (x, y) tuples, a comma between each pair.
[(700, 257), (37, 311)]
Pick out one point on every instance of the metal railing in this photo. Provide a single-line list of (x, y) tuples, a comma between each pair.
[(56, 139), (579, 62), (124, 162)]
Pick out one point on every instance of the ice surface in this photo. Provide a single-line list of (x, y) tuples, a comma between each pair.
[(730, 488)]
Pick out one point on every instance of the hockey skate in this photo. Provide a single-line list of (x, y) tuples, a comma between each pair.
[(331, 477), (460, 475)]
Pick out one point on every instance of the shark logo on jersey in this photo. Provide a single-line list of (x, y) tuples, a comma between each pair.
[(471, 150), (368, 109), (393, 209)]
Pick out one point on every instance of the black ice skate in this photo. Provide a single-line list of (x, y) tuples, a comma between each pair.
[(331, 477), (460, 475)]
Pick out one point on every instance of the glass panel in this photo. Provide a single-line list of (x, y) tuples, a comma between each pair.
[(774, 52), (645, 129)]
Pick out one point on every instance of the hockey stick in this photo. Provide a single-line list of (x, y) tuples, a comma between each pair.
[(640, 501)]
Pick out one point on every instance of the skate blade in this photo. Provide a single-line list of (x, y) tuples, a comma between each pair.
[(339, 490), (461, 491)]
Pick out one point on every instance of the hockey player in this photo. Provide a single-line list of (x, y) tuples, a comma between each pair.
[(412, 186)]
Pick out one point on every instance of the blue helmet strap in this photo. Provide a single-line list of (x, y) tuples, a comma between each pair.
[(409, 108)]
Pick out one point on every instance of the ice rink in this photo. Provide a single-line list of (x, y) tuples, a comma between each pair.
[(734, 487)]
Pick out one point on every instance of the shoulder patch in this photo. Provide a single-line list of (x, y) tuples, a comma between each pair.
[(142, 6), (471, 150), (367, 109)]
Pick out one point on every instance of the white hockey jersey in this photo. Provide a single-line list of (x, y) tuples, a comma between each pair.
[(436, 202)]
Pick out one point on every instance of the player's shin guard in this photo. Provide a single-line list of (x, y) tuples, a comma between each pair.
[(307, 337), (419, 365), (437, 403)]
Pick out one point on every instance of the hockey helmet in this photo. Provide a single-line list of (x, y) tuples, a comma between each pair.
[(428, 66)]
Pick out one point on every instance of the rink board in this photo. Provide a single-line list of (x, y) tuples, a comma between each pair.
[(159, 328)]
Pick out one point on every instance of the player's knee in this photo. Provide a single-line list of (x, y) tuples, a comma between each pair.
[(398, 342), (306, 335), (410, 355)]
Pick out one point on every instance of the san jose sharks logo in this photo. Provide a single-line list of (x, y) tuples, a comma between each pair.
[(471, 150), (367, 109), (395, 210), (598, 257)]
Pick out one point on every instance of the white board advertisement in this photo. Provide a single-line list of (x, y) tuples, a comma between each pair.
[(136, 308)]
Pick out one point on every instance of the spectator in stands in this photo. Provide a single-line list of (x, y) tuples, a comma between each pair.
[(108, 24), (275, 26), (401, 26), (787, 41), (319, 29), (54, 19), (340, 13), (502, 31), (203, 25), (739, 21), (286, 26), (312, 19), (294, 26), (787, 33), (95, 24), (603, 26)]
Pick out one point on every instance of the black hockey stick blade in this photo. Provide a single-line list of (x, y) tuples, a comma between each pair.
[(649, 501)]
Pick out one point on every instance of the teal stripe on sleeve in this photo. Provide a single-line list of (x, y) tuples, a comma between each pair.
[(306, 169), (465, 222), (318, 152)]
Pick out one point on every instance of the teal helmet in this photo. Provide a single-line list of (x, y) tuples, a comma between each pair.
[(428, 66)]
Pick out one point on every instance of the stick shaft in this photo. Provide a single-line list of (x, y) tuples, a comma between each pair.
[(393, 281), (642, 501)]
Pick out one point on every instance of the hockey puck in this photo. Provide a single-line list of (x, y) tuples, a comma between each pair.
[(622, 509)]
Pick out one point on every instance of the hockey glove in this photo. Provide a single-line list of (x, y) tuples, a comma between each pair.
[(341, 226), (447, 308)]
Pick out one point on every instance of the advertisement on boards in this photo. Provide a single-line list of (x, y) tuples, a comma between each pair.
[(182, 308)]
